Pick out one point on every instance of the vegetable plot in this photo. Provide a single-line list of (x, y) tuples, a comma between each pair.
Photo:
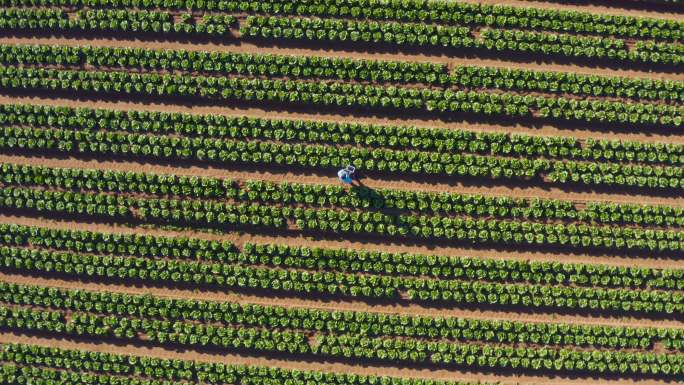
[(513, 216), (287, 329)]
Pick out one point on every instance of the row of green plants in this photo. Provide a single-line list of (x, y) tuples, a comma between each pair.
[(11, 374), (236, 277), (419, 11), (497, 357), (464, 268), (174, 186), (189, 333), (417, 34), (576, 46), (119, 207), (426, 35), (136, 244), (165, 369), (613, 174), (165, 312), (331, 282), (32, 319), (343, 260), (567, 83), (268, 27), (113, 21), (275, 27), (343, 346), (488, 231), (338, 94), (386, 349), (217, 213), (252, 64), (342, 133), (345, 69), (267, 152), (92, 325), (460, 204), (190, 186), (659, 52), (481, 14), (287, 91), (330, 156)]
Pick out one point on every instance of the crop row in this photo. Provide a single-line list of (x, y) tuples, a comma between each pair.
[(338, 94), (420, 11), (346, 346), (253, 64), (319, 195), (159, 369), (23, 375), (311, 320), (341, 133), (343, 260), (27, 355), (567, 82), (266, 152), (378, 199), (427, 35), (345, 69), (11, 374), (466, 268), (213, 213), (329, 156), (275, 27), (479, 14), (112, 21), (335, 282), (322, 282), (266, 278), (29, 319)]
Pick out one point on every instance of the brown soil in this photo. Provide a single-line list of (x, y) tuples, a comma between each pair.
[(361, 368), (341, 305), (240, 45)]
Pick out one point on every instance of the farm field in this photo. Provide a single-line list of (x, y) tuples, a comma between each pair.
[(171, 212)]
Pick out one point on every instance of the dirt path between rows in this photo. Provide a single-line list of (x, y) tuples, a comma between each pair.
[(414, 309), (276, 175), (243, 46), (362, 368), (385, 244), (588, 7)]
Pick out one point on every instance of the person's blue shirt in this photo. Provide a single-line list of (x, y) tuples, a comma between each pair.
[(344, 176)]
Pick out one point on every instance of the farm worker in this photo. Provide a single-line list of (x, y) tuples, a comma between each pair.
[(344, 176)]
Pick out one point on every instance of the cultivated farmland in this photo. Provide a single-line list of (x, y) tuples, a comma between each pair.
[(171, 213)]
